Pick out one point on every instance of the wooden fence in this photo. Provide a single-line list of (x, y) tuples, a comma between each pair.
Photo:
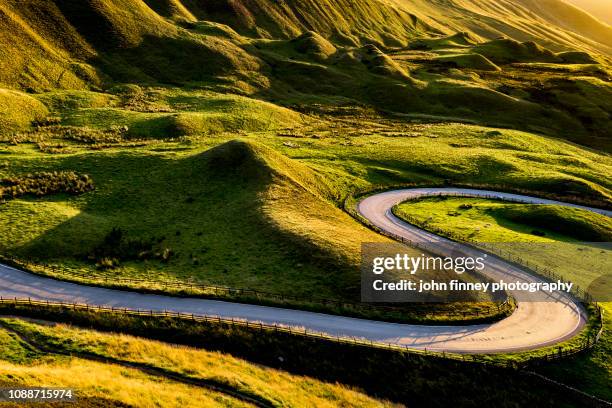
[(228, 293), (560, 352)]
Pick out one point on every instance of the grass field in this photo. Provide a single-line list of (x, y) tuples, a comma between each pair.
[(258, 212), (455, 381), (272, 387), (153, 192), (110, 385), (548, 236)]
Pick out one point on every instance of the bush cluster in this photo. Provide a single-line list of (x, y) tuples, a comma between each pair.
[(44, 133), (45, 183), (116, 247)]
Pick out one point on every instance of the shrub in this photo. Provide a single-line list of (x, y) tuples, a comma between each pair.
[(46, 183), (116, 247)]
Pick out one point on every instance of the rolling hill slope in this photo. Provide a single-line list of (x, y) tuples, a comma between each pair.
[(350, 22), (275, 51), (49, 44), (599, 9), (552, 23), (78, 44)]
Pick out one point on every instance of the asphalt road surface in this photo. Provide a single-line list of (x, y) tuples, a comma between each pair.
[(534, 323)]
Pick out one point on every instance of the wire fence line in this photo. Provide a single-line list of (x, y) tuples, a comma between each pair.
[(228, 293), (560, 352), (593, 202)]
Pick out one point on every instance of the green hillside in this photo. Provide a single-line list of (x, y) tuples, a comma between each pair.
[(598, 9), (346, 22), (276, 75), (552, 23), (299, 53), (557, 238)]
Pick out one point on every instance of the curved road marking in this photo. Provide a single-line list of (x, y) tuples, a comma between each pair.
[(532, 325)]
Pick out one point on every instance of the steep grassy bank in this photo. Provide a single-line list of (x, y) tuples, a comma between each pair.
[(29, 344), (433, 381), (111, 386)]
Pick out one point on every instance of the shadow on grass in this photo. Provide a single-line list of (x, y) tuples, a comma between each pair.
[(206, 208)]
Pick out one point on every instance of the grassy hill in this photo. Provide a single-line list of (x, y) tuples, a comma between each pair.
[(552, 23), (345, 22), (67, 43), (215, 142), (301, 52), (598, 9), (392, 23), (261, 211), (251, 229)]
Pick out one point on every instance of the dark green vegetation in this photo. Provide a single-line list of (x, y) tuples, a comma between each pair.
[(433, 381), (581, 225), (541, 227), (42, 184)]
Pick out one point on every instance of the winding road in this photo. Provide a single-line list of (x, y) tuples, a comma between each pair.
[(542, 320)]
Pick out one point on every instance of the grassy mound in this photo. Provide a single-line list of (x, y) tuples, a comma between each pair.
[(379, 63), (201, 113), (18, 111), (472, 61), (313, 44), (458, 40), (498, 221), (61, 101), (580, 224), (506, 51), (577, 57), (239, 215)]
